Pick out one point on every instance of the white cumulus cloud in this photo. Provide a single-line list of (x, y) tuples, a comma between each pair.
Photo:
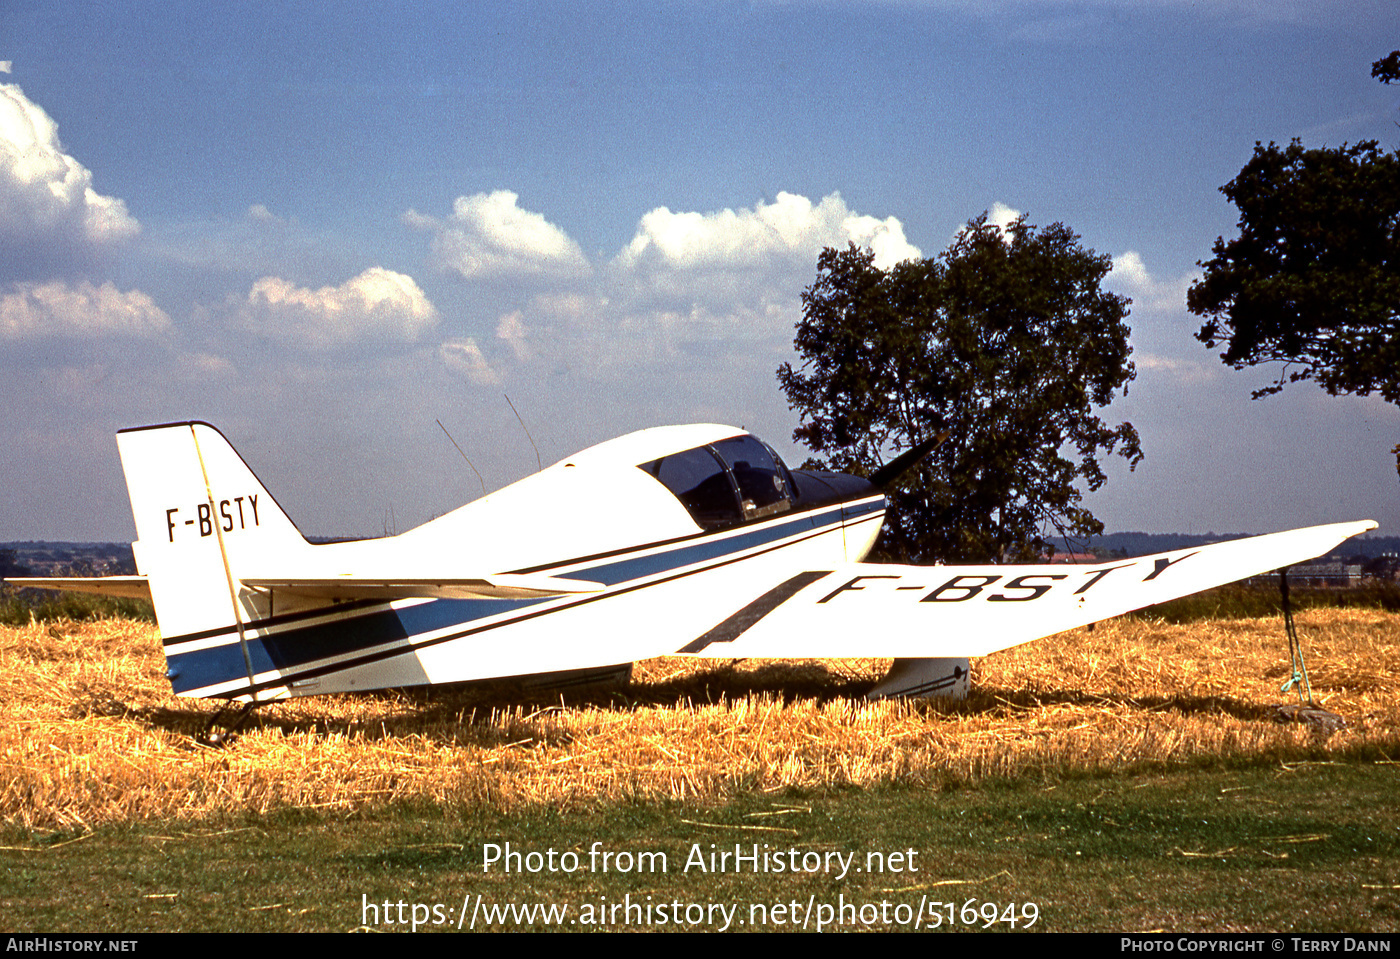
[(790, 227), (465, 358), (57, 309), (488, 235), (261, 214), (378, 303), (44, 192), (689, 286), (511, 330), (1131, 277)]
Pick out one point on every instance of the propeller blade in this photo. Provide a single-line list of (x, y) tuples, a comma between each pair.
[(886, 476)]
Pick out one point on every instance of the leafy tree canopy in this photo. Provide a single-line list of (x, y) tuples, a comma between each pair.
[(1313, 279), (1006, 341), (1388, 68)]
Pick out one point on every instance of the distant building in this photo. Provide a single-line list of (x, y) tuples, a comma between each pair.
[(1384, 567), (1327, 572)]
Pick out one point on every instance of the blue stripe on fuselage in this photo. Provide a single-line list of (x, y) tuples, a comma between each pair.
[(285, 651), (698, 551)]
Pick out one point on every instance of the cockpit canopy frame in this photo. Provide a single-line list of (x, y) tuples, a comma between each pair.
[(728, 482)]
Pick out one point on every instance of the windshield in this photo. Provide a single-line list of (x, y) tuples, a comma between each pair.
[(726, 483)]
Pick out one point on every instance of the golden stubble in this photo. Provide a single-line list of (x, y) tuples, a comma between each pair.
[(91, 733)]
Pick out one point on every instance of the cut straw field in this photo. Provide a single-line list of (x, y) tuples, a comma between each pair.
[(90, 733)]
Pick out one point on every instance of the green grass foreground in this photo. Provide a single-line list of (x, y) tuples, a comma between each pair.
[(1295, 847)]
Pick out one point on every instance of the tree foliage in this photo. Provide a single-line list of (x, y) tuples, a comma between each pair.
[(1387, 68), (1007, 341), (1313, 279)]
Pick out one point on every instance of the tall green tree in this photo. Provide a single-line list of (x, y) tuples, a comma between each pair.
[(1312, 282), (1005, 340)]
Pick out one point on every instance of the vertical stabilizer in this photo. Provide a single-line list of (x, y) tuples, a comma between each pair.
[(201, 518)]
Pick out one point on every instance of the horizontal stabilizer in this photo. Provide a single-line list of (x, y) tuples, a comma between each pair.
[(122, 587), (498, 586)]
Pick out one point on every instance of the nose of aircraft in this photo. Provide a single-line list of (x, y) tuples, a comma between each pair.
[(819, 487), (815, 487)]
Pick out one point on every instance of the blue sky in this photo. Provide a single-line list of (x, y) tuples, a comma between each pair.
[(324, 227)]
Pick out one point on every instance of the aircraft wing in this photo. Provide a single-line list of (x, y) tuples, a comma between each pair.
[(872, 609), (124, 587), (497, 586)]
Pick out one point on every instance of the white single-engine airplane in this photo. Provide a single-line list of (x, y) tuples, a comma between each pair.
[(689, 540)]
